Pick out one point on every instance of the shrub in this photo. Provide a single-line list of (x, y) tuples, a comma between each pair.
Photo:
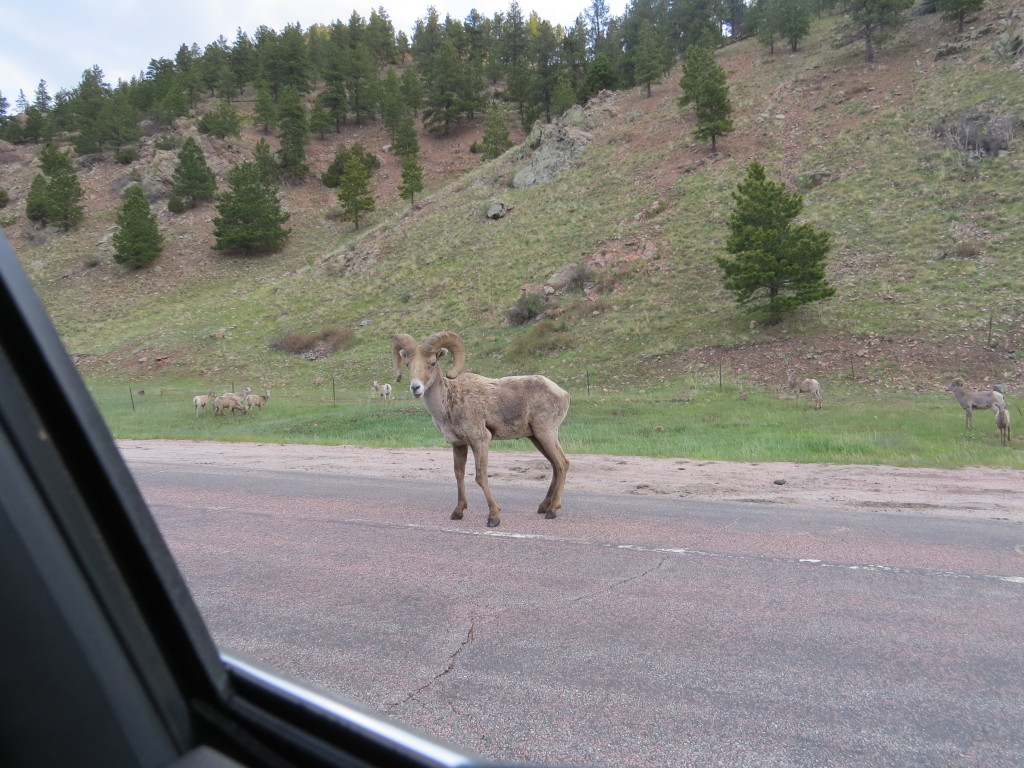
[(127, 155), (314, 346), (527, 307), (580, 277), (5, 198), (175, 205), (166, 141), (544, 337)]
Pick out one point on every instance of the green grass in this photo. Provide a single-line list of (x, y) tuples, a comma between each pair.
[(700, 421)]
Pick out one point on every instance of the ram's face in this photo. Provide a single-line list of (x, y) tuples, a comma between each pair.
[(424, 369)]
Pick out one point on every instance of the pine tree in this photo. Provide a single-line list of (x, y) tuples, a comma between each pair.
[(264, 159), (294, 133), (776, 266), (704, 85), (193, 181), (958, 10), (137, 241), (35, 200), (319, 121), (875, 18), (222, 121), (63, 195), (496, 139), (647, 60), (265, 111), (249, 216), (405, 141), (412, 178), (354, 191)]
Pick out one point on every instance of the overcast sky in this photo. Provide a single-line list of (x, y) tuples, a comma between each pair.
[(57, 40)]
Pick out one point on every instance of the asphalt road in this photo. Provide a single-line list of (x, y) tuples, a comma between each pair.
[(630, 631)]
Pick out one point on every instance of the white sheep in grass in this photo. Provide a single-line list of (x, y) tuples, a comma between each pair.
[(257, 401), (384, 390), (471, 410), (228, 402), (1003, 424), (201, 401), (810, 387), (971, 400)]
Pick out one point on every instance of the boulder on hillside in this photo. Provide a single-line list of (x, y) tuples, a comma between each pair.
[(549, 150)]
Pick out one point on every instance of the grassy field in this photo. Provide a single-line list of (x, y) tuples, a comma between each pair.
[(701, 421)]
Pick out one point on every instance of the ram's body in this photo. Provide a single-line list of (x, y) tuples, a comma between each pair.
[(470, 410)]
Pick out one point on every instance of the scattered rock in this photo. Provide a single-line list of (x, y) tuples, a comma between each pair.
[(779, 482)]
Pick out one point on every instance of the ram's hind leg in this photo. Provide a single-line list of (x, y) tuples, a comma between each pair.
[(549, 446), (459, 453)]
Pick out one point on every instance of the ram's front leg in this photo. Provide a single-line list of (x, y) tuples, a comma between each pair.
[(480, 453), (459, 453)]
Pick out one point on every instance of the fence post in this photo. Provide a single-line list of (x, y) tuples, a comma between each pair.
[(132, 398)]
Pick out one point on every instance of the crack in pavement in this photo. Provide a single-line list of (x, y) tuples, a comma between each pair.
[(452, 660)]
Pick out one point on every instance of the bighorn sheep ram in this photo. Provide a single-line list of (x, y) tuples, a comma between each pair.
[(1003, 424), (804, 386), (257, 401), (201, 401), (228, 402), (384, 390), (972, 401), (470, 410)]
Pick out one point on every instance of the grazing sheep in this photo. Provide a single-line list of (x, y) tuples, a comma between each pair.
[(228, 402), (804, 386), (201, 401), (1003, 424), (384, 390), (471, 410), (257, 401), (971, 400)]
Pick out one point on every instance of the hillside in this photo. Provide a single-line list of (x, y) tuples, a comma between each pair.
[(925, 259)]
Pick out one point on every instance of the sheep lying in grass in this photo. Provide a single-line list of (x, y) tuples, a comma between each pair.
[(1003, 424), (257, 401), (201, 401), (971, 400), (804, 386), (228, 402), (471, 410), (384, 390)]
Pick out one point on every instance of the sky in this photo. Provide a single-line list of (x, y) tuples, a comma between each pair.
[(57, 40)]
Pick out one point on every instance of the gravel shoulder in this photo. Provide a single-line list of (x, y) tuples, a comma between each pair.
[(981, 493)]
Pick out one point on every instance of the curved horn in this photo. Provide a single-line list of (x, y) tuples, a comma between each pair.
[(453, 343), (402, 342)]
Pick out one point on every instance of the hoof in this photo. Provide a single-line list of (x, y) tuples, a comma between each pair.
[(456, 515), (493, 522), (551, 515)]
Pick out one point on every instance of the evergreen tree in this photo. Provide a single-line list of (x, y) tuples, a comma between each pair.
[(793, 20), (412, 177), (875, 18), (958, 10), (564, 97), (776, 266), (294, 133), (63, 197), (249, 217), (600, 75), (265, 111), (405, 141), (265, 162), (704, 85), (319, 121), (222, 121), (35, 201), (496, 139), (648, 57), (193, 181), (354, 191), (137, 241)]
